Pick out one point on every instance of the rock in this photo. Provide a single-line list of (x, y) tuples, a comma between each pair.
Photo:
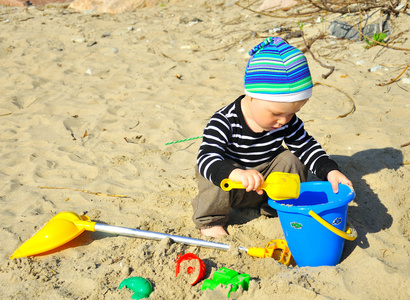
[(269, 5), (343, 30), (21, 3), (91, 43), (113, 6), (78, 40), (376, 68), (14, 3)]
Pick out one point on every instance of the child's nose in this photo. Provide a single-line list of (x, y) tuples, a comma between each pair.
[(282, 121), (285, 120)]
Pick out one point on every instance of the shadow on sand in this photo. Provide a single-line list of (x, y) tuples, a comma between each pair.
[(368, 215)]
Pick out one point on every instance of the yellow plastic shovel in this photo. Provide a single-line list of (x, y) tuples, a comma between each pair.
[(65, 226), (278, 185)]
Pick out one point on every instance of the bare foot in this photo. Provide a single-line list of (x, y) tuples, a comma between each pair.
[(216, 231)]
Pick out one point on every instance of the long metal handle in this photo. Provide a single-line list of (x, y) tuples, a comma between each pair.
[(159, 236)]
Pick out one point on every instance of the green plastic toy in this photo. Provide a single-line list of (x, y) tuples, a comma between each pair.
[(227, 277), (141, 287)]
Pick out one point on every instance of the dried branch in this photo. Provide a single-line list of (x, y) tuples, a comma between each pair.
[(310, 41), (8, 114), (387, 45), (353, 6), (352, 110), (288, 15), (332, 68), (395, 79)]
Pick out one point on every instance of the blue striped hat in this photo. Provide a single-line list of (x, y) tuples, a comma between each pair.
[(278, 72)]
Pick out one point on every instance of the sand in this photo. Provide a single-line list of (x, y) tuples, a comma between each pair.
[(88, 101)]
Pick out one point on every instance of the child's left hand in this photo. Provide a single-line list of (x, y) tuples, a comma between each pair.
[(335, 177)]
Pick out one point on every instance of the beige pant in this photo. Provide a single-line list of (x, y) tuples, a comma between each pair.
[(212, 205)]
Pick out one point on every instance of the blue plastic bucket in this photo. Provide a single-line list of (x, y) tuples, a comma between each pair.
[(314, 224)]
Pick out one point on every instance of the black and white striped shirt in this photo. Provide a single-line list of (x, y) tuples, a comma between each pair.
[(228, 139)]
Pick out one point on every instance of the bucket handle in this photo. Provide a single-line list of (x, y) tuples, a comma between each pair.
[(350, 234)]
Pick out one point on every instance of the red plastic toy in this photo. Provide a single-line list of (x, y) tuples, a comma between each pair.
[(191, 267)]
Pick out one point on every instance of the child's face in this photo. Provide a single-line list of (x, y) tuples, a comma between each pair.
[(270, 115)]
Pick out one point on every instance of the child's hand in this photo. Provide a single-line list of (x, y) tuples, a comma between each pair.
[(250, 179), (335, 177)]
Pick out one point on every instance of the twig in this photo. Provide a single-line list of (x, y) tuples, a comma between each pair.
[(164, 55), (405, 145), (8, 114), (352, 110), (84, 191), (276, 16), (393, 80), (387, 45), (332, 68), (345, 8), (312, 40)]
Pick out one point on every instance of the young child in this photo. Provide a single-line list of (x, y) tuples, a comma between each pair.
[(243, 140)]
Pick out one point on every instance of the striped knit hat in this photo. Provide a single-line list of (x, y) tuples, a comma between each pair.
[(277, 72)]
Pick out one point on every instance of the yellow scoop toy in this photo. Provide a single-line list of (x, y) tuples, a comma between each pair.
[(278, 185), (276, 249)]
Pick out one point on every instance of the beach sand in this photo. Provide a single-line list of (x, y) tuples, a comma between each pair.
[(88, 101)]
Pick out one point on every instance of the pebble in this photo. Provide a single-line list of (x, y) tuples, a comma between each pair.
[(400, 6), (92, 43), (344, 30), (275, 30), (405, 80), (360, 62), (320, 19), (112, 51), (89, 72), (78, 40), (376, 68), (189, 47)]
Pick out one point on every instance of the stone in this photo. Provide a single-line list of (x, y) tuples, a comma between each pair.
[(375, 68), (269, 5), (21, 3), (113, 6), (343, 30), (405, 80), (14, 3)]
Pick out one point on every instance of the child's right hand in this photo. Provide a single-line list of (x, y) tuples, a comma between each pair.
[(250, 179)]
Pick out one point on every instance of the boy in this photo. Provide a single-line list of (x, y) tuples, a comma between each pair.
[(243, 140)]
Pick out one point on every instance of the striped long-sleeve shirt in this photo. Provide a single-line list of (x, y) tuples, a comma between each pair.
[(228, 139)]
